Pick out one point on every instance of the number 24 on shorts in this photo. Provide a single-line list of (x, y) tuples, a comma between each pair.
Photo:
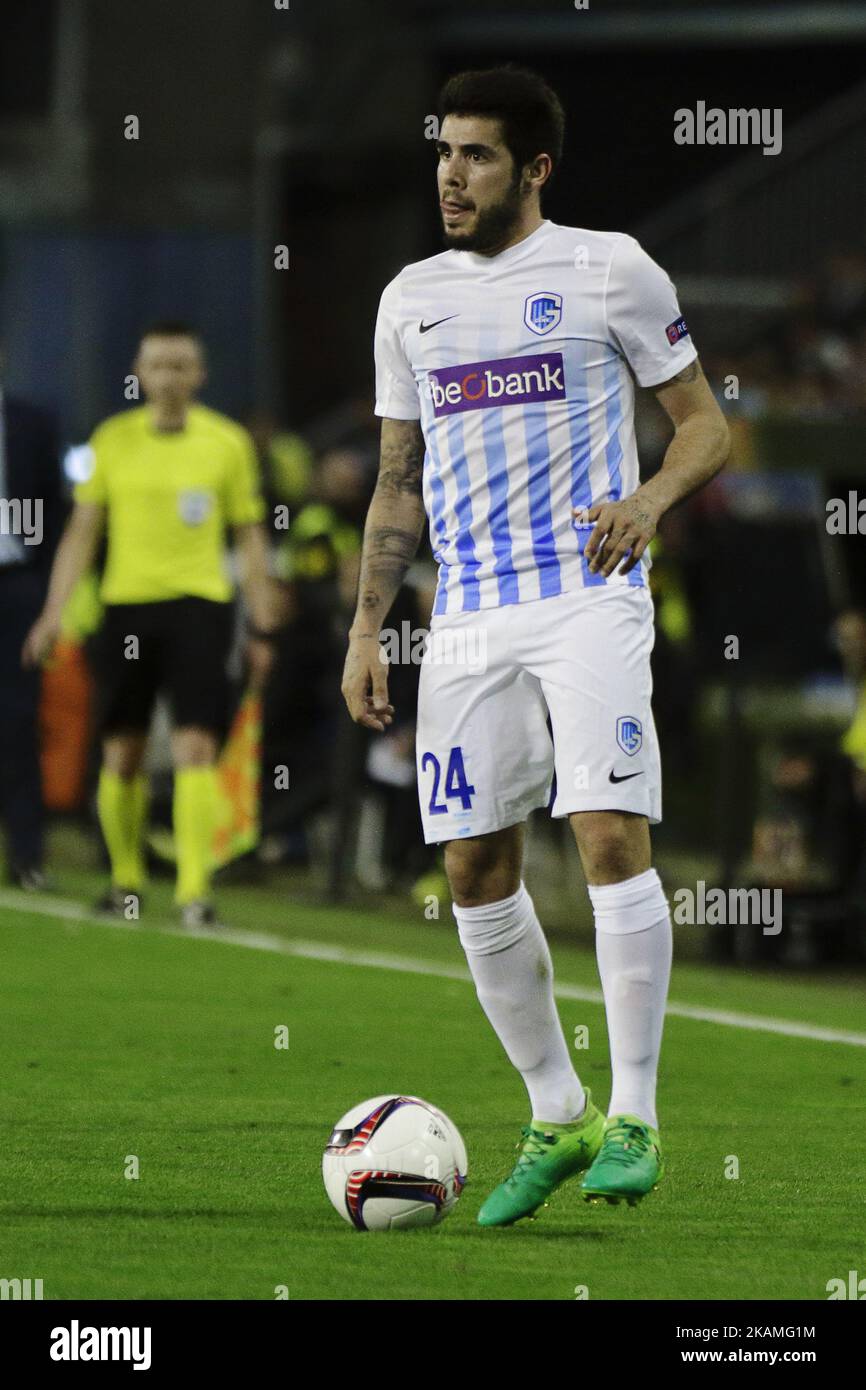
[(455, 782)]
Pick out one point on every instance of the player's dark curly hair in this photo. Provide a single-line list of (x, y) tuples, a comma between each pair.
[(533, 121)]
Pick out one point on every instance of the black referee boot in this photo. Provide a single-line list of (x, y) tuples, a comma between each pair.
[(122, 903), (31, 878), (200, 914)]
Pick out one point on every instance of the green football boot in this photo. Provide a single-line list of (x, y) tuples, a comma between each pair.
[(629, 1163), (547, 1157)]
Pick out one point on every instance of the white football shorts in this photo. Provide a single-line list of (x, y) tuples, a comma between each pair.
[(511, 698)]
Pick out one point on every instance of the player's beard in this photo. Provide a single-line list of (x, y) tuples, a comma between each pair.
[(493, 226)]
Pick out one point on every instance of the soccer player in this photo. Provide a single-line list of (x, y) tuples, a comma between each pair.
[(505, 379), (167, 479)]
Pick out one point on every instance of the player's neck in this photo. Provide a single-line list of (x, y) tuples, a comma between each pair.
[(522, 229)]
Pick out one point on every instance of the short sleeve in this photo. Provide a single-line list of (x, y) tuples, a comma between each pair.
[(244, 504), (91, 486), (643, 316), (396, 391)]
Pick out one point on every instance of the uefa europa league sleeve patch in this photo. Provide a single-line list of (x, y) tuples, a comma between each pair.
[(676, 330)]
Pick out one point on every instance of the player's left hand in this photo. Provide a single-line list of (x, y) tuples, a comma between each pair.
[(620, 528), (260, 659)]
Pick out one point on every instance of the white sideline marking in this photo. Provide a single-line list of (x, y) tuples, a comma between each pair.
[(67, 910)]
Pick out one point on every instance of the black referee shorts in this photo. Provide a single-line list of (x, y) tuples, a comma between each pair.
[(177, 647)]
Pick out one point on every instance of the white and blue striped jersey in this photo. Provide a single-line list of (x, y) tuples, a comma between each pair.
[(519, 367)]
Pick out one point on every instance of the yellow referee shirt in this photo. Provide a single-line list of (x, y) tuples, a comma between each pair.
[(853, 741), (169, 499)]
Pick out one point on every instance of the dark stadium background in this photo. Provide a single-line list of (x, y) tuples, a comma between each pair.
[(308, 124), (305, 128)]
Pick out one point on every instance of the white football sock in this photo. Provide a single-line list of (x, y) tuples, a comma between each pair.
[(633, 942), (513, 973)]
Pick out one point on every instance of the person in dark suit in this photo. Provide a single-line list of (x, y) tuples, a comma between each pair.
[(31, 517)]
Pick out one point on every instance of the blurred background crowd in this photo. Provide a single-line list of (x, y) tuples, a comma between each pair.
[(308, 131)]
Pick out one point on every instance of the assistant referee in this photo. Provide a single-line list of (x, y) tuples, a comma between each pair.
[(168, 479)]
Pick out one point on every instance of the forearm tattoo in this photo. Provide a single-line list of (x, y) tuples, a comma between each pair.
[(687, 375), (395, 519), (402, 459)]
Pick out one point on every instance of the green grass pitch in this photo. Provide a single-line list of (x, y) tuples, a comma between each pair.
[(123, 1042)]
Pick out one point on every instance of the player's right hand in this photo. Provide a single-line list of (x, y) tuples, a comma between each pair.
[(39, 642), (365, 684)]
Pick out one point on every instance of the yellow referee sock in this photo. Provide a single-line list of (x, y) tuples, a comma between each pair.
[(193, 813), (121, 804)]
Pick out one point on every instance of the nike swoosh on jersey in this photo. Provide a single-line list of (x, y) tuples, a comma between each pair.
[(425, 327), (626, 778)]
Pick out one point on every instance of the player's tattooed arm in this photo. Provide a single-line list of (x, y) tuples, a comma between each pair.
[(401, 459), (393, 529), (685, 378), (394, 523), (698, 450)]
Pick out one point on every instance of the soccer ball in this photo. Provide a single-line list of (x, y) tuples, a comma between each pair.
[(394, 1162)]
